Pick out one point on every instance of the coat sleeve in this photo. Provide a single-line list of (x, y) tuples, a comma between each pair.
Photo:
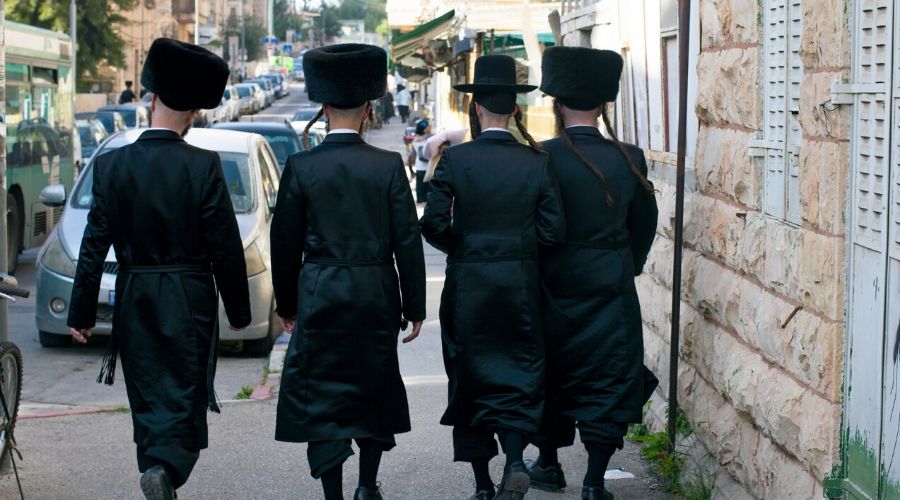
[(94, 248), (550, 222), (406, 242), (641, 221), (437, 222), (226, 250), (288, 232)]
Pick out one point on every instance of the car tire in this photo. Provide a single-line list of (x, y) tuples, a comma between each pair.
[(48, 339), (13, 233), (261, 347)]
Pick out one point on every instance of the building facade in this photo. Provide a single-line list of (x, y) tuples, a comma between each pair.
[(791, 274)]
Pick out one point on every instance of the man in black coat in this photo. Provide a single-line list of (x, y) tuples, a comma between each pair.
[(493, 202), (344, 217), (165, 208), (596, 379)]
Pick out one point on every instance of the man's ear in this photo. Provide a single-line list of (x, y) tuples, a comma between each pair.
[(153, 103)]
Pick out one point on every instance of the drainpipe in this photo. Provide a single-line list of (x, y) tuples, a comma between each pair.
[(684, 40)]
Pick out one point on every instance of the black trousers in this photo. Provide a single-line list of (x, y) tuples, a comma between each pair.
[(421, 187), (558, 431), (324, 455), (476, 443), (404, 112), (177, 461)]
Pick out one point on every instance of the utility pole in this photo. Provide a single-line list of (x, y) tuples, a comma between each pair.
[(196, 22), (73, 26), (271, 23)]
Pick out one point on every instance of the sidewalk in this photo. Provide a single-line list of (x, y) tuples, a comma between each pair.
[(91, 456)]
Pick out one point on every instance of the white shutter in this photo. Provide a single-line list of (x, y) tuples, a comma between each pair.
[(794, 133), (774, 120), (867, 210)]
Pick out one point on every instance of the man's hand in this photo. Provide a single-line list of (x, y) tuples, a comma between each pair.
[(81, 335), (287, 324), (417, 326)]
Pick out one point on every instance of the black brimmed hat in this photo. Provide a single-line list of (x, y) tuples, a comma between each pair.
[(345, 75), (581, 78), (495, 74), (184, 76)]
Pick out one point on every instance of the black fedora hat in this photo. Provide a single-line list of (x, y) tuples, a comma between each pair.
[(183, 75), (345, 75), (580, 77), (495, 74)]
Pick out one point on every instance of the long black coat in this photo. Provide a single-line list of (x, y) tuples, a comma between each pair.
[(165, 208), (492, 202), (344, 215), (594, 342)]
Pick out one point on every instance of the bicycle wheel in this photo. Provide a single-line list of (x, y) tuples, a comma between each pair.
[(11, 387)]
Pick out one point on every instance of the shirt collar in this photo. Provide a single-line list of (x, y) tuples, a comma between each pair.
[(343, 131), (496, 129)]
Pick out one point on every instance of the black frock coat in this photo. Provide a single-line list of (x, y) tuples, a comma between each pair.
[(165, 208), (344, 217), (594, 342), (492, 202)]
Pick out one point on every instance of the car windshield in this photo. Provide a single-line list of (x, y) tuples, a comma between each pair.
[(283, 145), (235, 166), (130, 117), (108, 121), (243, 91), (305, 115)]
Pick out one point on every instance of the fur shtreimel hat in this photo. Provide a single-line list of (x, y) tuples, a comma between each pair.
[(345, 75), (581, 78), (184, 76)]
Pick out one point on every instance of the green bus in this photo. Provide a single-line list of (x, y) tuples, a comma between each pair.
[(41, 143)]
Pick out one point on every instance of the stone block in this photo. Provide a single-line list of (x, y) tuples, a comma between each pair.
[(819, 280), (728, 21), (782, 261), (818, 117), (728, 89), (825, 42), (823, 185), (724, 168)]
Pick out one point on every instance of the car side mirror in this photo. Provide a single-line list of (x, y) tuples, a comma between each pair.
[(53, 196)]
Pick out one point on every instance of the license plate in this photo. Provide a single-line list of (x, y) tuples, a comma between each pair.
[(112, 297)]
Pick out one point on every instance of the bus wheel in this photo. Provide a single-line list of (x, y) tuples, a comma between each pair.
[(13, 217)]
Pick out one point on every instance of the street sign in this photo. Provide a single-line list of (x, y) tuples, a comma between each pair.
[(270, 40), (287, 48)]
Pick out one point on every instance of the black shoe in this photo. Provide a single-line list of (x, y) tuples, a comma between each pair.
[(156, 484), (363, 493), (483, 495), (545, 478), (514, 484), (593, 493)]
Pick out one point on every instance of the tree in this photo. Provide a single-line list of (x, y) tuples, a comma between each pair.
[(98, 25), (253, 33)]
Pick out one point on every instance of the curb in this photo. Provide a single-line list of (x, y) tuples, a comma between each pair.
[(268, 388)]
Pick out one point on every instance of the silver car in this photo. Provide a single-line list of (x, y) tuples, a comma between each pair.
[(246, 158)]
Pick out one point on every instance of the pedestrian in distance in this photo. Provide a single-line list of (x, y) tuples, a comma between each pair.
[(423, 132), (344, 216), (166, 209), (493, 203), (127, 95), (596, 379), (387, 103), (404, 98)]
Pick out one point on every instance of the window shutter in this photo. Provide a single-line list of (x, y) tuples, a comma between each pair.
[(774, 120), (794, 132)]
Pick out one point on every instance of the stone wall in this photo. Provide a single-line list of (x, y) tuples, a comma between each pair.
[(762, 300)]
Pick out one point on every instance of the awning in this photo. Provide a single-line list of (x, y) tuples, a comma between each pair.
[(406, 44)]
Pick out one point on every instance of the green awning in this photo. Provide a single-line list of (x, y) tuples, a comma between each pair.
[(514, 41), (406, 44)]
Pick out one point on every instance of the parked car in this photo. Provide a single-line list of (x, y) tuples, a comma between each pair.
[(305, 114), (249, 95), (136, 115), (280, 136), (298, 70), (91, 133), (231, 104), (267, 87), (278, 84), (251, 172), (112, 121), (316, 133)]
